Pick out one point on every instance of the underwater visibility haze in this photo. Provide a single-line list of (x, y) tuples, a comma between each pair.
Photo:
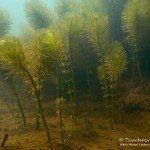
[(74, 74)]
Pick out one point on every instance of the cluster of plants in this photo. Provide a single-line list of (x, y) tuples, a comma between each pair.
[(83, 46)]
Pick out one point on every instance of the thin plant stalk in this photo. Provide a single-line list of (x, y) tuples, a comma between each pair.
[(19, 104), (39, 106)]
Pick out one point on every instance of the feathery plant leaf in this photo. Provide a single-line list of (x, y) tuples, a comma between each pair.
[(66, 30), (115, 61), (135, 23), (97, 32), (42, 52), (12, 56), (5, 22), (38, 15)]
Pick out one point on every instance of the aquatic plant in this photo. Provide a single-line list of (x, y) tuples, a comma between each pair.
[(18, 101), (111, 57), (114, 65), (88, 124), (136, 28), (42, 54), (13, 58), (7, 83), (115, 60), (98, 33), (113, 9), (60, 111), (10, 109), (38, 15), (5, 138), (5, 22), (67, 27)]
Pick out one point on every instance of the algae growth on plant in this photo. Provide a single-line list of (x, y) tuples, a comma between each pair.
[(74, 74)]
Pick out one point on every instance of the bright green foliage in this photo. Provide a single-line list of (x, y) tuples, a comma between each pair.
[(12, 56), (38, 14), (43, 52), (16, 60), (115, 61), (5, 22), (135, 22)]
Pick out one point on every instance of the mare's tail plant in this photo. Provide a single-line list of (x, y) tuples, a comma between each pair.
[(98, 35), (13, 58), (60, 111), (115, 63), (18, 100), (5, 22), (88, 125), (9, 84), (135, 24), (67, 61), (111, 57), (38, 15)]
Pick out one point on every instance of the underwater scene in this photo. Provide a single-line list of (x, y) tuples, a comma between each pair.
[(74, 74)]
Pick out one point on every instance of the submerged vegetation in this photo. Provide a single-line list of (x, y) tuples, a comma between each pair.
[(5, 22), (135, 25), (82, 50), (38, 14)]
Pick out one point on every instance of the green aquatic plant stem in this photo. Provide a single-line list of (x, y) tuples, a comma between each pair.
[(139, 70), (99, 38), (72, 90), (19, 103), (57, 85), (72, 98), (135, 24), (5, 138), (37, 125), (67, 67), (14, 59), (60, 111), (105, 88), (39, 106), (112, 104), (10, 109), (136, 66), (108, 107), (140, 73)]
